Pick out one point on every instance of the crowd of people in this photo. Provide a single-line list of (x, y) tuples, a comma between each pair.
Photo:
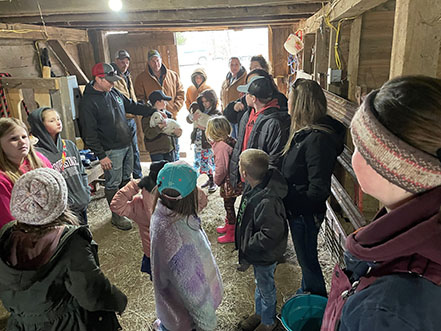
[(276, 154)]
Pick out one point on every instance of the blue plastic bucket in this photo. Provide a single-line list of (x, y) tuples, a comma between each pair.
[(303, 312)]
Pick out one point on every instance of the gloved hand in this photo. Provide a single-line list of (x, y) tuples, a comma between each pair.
[(149, 182)]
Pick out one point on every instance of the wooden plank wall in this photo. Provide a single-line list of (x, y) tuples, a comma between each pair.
[(375, 49), (19, 58), (138, 44)]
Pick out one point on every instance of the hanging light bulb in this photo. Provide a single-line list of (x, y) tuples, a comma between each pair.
[(115, 5)]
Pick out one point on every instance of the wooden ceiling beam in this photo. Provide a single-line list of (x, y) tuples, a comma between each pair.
[(337, 11), (54, 7), (37, 32), (352, 8), (191, 16)]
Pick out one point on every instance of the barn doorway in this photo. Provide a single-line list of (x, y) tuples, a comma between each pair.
[(211, 50)]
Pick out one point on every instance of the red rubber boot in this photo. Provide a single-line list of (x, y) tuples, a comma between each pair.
[(228, 237), (223, 228)]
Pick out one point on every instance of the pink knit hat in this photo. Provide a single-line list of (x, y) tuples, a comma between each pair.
[(39, 197)]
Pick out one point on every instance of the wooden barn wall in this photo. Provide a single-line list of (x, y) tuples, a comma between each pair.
[(375, 48), (19, 58), (138, 44)]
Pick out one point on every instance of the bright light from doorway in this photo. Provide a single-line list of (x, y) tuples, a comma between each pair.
[(115, 5)]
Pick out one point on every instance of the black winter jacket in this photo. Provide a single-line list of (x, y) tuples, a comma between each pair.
[(235, 117), (270, 134), (308, 166), (262, 231), (103, 119)]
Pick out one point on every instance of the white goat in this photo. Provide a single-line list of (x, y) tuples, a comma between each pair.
[(171, 124)]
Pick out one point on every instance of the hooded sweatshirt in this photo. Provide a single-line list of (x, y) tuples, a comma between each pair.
[(103, 119), (194, 90), (61, 281), (69, 166), (402, 288)]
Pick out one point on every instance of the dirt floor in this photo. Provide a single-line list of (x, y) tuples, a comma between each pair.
[(120, 257)]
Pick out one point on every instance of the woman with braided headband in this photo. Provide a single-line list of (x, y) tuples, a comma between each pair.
[(393, 266)]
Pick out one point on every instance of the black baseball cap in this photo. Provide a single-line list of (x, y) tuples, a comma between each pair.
[(259, 86), (157, 96)]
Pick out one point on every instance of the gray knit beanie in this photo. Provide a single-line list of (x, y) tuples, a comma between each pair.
[(39, 197)]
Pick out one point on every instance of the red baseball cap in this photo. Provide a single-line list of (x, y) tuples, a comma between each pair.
[(105, 71)]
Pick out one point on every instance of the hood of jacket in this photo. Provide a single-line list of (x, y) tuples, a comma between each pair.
[(38, 130), (202, 73), (20, 279), (274, 184), (211, 96), (336, 130), (411, 229)]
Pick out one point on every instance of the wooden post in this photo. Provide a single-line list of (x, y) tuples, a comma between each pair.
[(308, 53), (100, 46), (416, 38), (321, 56), (61, 102), (87, 58), (354, 57), (278, 56)]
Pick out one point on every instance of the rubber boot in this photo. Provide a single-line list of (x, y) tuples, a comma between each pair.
[(207, 183), (212, 187), (223, 228), (121, 222), (228, 237)]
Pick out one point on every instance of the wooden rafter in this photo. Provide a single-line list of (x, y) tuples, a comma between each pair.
[(70, 63), (37, 32)]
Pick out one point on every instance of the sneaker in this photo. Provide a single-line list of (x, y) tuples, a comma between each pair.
[(250, 323), (242, 267)]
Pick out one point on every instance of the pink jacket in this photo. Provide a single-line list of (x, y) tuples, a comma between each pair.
[(139, 209), (6, 189), (222, 153)]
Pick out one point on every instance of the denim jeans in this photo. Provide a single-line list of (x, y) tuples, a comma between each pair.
[(137, 170), (177, 148), (265, 295), (304, 232), (122, 165)]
